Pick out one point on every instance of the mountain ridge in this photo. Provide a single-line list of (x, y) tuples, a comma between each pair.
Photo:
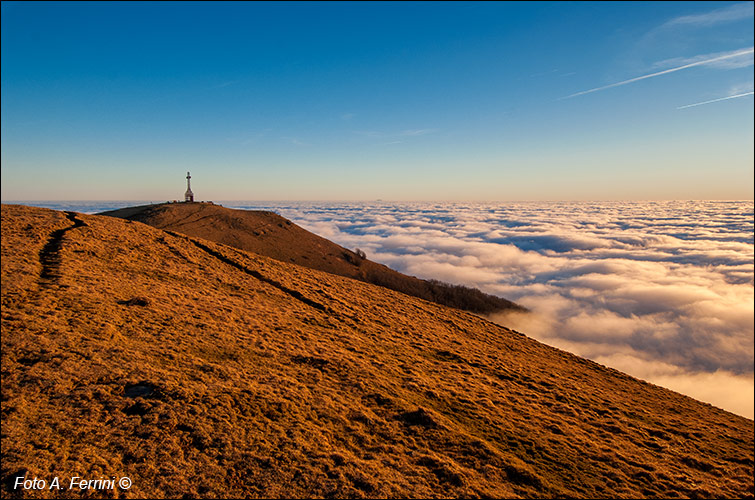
[(268, 233)]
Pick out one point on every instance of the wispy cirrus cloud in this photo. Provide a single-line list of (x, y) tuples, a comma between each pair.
[(721, 60), (730, 13), (295, 141), (370, 133), (392, 135), (735, 91), (715, 100), (226, 84), (698, 61), (741, 88), (415, 132)]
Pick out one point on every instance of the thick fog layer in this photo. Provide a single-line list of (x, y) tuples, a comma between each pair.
[(660, 290)]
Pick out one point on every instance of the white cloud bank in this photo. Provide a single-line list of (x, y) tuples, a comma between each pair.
[(660, 290)]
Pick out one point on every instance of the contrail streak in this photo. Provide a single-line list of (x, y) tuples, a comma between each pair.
[(690, 65), (715, 100)]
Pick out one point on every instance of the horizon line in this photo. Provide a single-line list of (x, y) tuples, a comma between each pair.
[(379, 200)]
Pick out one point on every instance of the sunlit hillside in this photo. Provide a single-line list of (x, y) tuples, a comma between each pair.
[(267, 233), (200, 370)]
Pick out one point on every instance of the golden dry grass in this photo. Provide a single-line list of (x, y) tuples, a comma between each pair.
[(267, 233), (200, 370)]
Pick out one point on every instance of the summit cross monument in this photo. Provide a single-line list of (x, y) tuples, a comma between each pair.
[(188, 196)]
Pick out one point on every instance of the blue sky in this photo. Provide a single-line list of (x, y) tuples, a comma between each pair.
[(392, 101)]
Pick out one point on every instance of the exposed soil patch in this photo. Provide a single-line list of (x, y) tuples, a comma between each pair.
[(139, 408), (136, 301), (311, 361), (419, 417), (140, 390), (50, 257)]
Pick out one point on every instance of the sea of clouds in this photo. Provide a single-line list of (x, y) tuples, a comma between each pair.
[(660, 290)]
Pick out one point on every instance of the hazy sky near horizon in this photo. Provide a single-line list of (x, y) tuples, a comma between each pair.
[(393, 101)]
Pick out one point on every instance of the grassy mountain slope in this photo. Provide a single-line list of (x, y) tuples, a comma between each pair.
[(200, 370), (267, 233)]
